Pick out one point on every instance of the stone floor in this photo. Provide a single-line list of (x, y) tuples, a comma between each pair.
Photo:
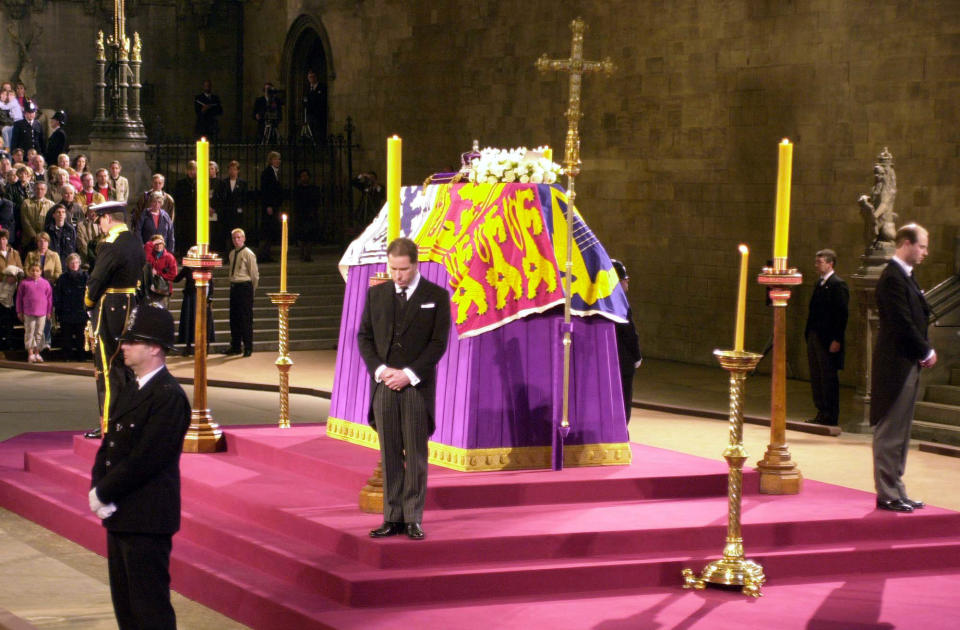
[(48, 582)]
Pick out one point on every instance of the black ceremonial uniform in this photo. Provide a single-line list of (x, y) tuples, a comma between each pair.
[(112, 289), (137, 469), (28, 135)]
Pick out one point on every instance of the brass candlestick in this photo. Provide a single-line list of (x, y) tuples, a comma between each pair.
[(733, 569), (204, 435), (284, 300), (778, 473)]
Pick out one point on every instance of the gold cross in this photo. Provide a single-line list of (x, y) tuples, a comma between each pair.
[(576, 66)]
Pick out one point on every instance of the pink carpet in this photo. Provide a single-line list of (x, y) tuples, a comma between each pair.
[(273, 538)]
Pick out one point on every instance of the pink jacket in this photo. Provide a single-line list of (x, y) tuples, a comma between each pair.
[(34, 297)]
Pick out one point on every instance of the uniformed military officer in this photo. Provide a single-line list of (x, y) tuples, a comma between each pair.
[(135, 486), (111, 292)]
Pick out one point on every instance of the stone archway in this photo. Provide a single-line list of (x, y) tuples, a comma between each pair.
[(307, 47)]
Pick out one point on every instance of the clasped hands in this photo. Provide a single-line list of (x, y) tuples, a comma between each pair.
[(103, 510), (930, 361), (394, 379)]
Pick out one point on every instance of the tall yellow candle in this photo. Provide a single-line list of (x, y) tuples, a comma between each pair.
[(283, 257), (394, 145), (203, 192), (781, 232), (741, 300)]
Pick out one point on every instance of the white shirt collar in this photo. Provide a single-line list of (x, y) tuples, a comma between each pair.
[(143, 380), (823, 279), (410, 287), (908, 269)]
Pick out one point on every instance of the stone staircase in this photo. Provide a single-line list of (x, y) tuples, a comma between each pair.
[(937, 417), (314, 319)]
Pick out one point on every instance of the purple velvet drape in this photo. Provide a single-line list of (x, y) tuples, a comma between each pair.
[(497, 389)]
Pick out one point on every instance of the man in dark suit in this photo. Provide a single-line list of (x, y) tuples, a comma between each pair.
[(28, 133), (233, 198), (315, 108), (901, 350), (271, 199), (57, 142), (826, 327), (628, 344), (402, 336), (112, 293), (135, 485), (207, 107)]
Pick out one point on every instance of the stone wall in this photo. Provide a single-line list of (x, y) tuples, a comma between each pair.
[(679, 147), (183, 43)]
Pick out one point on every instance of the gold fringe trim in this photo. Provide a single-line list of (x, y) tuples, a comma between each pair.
[(487, 459)]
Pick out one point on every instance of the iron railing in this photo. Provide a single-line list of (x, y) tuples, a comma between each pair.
[(330, 165)]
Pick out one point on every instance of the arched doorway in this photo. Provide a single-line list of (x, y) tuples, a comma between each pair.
[(307, 48)]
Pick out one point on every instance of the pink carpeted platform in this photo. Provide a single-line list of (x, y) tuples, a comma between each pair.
[(273, 538)]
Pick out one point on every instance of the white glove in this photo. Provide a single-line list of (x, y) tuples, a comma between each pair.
[(95, 503), (106, 510)]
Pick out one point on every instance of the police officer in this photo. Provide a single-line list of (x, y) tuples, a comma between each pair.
[(112, 293), (27, 133), (135, 484)]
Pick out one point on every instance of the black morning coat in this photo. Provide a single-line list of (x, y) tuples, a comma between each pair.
[(828, 314), (423, 335), (138, 465), (901, 339)]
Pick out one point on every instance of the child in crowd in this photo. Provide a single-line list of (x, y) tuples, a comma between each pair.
[(34, 306), (68, 305), (8, 313)]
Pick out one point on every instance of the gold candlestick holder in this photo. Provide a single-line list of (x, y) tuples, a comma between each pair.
[(779, 474), (204, 435), (284, 300), (733, 569)]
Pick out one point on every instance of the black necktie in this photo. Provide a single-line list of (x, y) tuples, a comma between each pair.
[(236, 257), (403, 295)]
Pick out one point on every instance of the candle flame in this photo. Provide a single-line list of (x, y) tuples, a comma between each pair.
[(785, 141), (284, 217), (203, 138), (744, 249)]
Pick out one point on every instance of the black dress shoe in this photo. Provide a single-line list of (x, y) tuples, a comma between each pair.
[(917, 505), (93, 434), (414, 531), (821, 422), (247, 353), (894, 505), (387, 529), (232, 351)]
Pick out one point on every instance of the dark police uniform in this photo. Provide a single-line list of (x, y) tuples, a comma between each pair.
[(137, 471), (28, 135), (112, 290)]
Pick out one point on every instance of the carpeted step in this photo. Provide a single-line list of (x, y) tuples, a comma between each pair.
[(242, 557)]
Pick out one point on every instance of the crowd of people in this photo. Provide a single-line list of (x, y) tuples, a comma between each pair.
[(50, 233)]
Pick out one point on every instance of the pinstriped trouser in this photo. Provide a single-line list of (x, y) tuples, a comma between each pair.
[(891, 441), (402, 421)]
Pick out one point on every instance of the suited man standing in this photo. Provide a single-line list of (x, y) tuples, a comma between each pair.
[(826, 327), (207, 107), (402, 336), (135, 483), (28, 133), (57, 142), (628, 344), (902, 349)]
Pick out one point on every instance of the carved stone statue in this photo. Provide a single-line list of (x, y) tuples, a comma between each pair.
[(877, 207), (101, 51)]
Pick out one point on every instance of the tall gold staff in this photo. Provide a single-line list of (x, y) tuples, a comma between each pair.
[(575, 66)]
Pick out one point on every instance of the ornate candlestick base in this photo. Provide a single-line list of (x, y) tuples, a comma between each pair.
[(778, 473), (284, 301), (371, 496), (733, 569), (204, 435)]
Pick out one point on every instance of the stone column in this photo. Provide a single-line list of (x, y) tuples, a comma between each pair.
[(864, 287)]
